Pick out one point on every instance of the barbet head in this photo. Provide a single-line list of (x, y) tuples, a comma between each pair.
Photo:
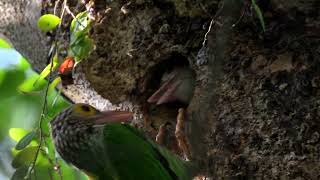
[(76, 128)]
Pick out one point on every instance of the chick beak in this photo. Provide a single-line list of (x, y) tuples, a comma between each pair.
[(113, 117)]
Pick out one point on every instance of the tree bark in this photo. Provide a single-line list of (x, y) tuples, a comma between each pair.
[(19, 25), (255, 110)]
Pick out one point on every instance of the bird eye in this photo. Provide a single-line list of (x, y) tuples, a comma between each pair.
[(85, 108)]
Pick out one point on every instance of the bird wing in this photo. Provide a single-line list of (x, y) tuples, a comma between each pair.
[(133, 156)]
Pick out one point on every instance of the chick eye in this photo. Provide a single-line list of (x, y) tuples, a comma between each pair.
[(86, 108)]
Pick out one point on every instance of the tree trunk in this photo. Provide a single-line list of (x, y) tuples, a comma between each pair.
[(19, 25), (255, 110)]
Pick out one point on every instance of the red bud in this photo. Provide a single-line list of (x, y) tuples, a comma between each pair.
[(67, 66)]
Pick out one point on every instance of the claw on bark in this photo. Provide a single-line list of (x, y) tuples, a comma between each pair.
[(161, 134), (180, 135)]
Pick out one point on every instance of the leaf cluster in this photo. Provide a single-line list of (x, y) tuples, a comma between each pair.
[(34, 156)]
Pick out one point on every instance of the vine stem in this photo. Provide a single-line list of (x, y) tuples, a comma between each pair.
[(45, 103), (44, 108)]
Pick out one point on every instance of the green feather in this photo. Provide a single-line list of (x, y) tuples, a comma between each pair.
[(131, 155)]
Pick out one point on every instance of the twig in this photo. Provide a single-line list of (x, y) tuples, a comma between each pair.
[(74, 17), (54, 162), (44, 107), (56, 7), (69, 12), (50, 175), (205, 36), (244, 10), (57, 168), (213, 20), (240, 18)]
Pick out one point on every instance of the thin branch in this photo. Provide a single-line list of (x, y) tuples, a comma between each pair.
[(213, 20), (69, 12), (57, 168), (45, 104), (206, 35), (50, 175), (44, 108), (56, 7), (74, 17)]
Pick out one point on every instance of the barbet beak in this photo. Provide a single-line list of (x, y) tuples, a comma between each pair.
[(107, 117)]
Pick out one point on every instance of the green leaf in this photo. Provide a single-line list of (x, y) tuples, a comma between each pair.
[(82, 49), (24, 64), (24, 157), (17, 133), (26, 140), (80, 23), (48, 22), (4, 44), (56, 98), (259, 14), (20, 173), (46, 71), (80, 43), (32, 85), (54, 83)]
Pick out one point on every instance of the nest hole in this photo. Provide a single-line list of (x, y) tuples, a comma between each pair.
[(154, 80)]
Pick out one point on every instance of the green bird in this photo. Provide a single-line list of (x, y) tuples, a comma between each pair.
[(102, 146)]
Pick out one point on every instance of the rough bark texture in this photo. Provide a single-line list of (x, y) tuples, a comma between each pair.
[(140, 39), (255, 111), (18, 24), (256, 100)]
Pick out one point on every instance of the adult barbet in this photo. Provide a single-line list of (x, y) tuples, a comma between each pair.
[(99, 144)]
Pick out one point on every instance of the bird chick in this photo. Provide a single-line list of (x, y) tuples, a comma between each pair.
[(176, 85)]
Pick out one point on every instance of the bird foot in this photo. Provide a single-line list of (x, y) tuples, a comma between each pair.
[(181, 138), (178, 143), (161, 134)]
